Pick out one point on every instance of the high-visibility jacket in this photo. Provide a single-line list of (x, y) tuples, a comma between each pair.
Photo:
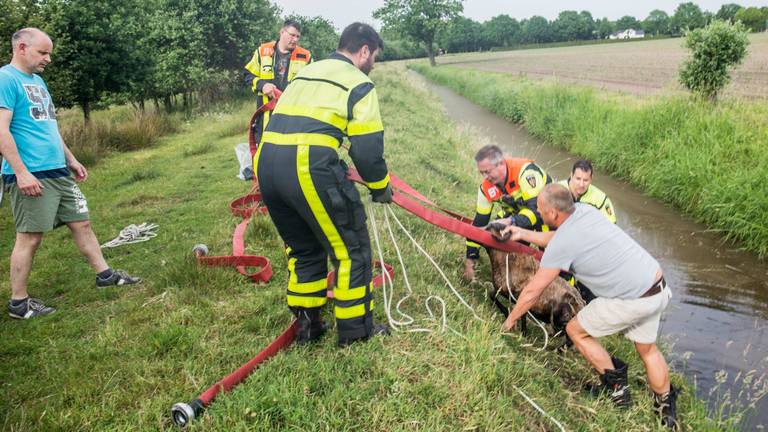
[(327, 101), (516, 197), (596, 198), (316, 209), (260, 70)]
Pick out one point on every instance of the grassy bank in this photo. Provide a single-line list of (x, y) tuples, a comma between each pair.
[(708, 161), (117, 359)]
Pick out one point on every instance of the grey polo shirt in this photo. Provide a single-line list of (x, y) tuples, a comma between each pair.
[(600, 255)]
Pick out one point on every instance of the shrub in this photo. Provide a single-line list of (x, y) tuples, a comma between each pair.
[(715, 49)]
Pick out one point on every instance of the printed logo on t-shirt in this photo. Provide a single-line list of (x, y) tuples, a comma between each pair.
[(42, 105)]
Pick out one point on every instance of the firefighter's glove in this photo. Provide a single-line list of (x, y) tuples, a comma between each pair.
[(383, 196), (496, 227)]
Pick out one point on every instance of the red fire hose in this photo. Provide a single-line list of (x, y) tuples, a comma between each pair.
[(403, 195)]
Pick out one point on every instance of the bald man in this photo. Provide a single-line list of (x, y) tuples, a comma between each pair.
[(627, 280), (37, 173)]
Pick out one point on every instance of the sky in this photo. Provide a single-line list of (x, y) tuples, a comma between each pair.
[(344, 12)]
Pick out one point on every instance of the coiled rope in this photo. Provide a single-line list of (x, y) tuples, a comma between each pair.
[(133, 234)]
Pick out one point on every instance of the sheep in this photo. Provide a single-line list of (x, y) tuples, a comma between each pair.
[(558, 303)]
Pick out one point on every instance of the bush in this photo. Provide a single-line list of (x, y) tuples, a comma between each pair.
[(715, 49)]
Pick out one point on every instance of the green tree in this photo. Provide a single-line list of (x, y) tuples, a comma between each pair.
[(93, 52), (589, 25), (571, 25), (753, 18), (604, 28), (687, 16), (715, 50), (657, 22), (317, 35), (627, 22), (16, 14), (419, 19), (536, 29), (727, 12), (501, 30), (462, 35)]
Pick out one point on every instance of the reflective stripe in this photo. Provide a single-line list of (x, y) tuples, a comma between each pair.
[(529, 214), (470, 243), (315, 287), (351, 312), (349, 294), (300, 138), (381, 184), (306, 302), (483, 206), (355, 128), (325, 222), (318, 113)]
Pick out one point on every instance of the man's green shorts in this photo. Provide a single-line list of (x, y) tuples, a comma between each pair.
[(61, 202)]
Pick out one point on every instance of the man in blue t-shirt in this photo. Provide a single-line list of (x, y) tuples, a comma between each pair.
[(36, 172), (627, 280)]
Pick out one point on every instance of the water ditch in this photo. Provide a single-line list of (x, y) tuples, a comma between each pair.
[(717, 323)]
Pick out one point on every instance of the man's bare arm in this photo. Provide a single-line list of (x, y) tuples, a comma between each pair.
[(27, 183)]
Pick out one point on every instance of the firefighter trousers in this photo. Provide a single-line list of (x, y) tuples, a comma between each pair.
[(319, 214)]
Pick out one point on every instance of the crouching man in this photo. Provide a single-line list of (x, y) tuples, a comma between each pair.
[(627, 280)]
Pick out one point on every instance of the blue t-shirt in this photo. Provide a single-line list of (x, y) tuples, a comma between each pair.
[(33, 125)]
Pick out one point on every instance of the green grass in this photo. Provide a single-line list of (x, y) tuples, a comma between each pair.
[(117, 359), (707, 160)]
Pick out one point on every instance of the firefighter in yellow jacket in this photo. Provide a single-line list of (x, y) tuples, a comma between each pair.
[(316, 209), (513, 184), (582, 189), (273, 66)]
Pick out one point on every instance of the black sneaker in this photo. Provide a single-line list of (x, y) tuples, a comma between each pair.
[(31, 307), (119, 277)]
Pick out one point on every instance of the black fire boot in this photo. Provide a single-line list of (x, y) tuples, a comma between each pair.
[(376, 330), (310, 326), (666, 406), (614, 384)]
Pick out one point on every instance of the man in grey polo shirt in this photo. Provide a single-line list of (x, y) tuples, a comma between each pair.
[(627, 280)]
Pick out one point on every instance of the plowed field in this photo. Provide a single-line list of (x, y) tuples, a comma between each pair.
[(642, 67)]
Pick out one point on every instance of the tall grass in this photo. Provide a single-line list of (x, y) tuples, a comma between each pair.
[(124, 131), (707, 160)]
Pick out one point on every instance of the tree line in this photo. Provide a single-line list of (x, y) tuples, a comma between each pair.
[(439, 24), (162, 51), (465, 34), (169, 52)]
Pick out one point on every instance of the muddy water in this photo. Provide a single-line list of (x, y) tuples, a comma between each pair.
[(718, 318)]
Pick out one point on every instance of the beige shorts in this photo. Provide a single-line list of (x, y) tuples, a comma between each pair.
[(638, 318)]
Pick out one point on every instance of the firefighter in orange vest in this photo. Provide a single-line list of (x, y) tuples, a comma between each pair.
[(273, 66), (512, 183)]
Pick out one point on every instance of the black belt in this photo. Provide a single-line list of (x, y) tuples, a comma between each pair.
[(656, 288)]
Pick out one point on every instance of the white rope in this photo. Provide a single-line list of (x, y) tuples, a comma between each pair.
[(408, 320), (133, 234), (437, 267), (538, 408), (512, 297), (388, 286)]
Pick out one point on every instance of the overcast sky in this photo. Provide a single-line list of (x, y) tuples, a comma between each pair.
[(343, 12)]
